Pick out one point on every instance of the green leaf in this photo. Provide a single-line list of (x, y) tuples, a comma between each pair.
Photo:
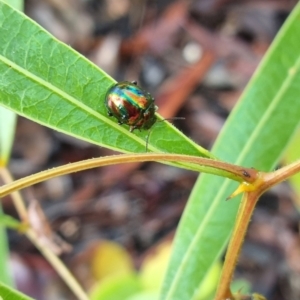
[(115, 287), (7, 293), (17, 4), (255, 135), (291, 154), (5, 275), (7, 132), (48, 82), (11, 222), (145, 295)]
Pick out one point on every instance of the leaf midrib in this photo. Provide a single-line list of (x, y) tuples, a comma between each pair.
[(52, 88), (78, 104)]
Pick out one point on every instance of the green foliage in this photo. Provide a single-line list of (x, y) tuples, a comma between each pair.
[(7, 126), (11, 222), (292, 154), (5, 275), (255, 135), (48, 82), (7, 131), (119, 286), (17, 4), (7, 293)]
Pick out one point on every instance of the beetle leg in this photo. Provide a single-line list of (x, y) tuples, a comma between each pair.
[(131, 128)]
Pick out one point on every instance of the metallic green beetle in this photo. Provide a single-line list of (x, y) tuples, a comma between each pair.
[(131, 105)]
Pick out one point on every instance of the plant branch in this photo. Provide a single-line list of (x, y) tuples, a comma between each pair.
[(16, 197), (58, 265), (281, 174), (263, 182), (52, 258), (246, 208), (207, 165)]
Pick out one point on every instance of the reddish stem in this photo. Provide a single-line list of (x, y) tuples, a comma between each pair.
[(263, 182), (243, 218)]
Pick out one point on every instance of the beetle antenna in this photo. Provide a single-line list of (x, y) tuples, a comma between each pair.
[(172, 119), (163, 120)]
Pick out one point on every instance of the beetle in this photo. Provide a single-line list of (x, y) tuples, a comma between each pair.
[(131, 105)]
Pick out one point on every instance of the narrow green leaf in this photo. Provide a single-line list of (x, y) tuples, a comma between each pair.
[(7, 293), (48, 82), (7, 132), (291, 154), (255, 135), (116, 287), (17, 4), (7, 126), (9, 221), (7, 117), (5, 275)]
